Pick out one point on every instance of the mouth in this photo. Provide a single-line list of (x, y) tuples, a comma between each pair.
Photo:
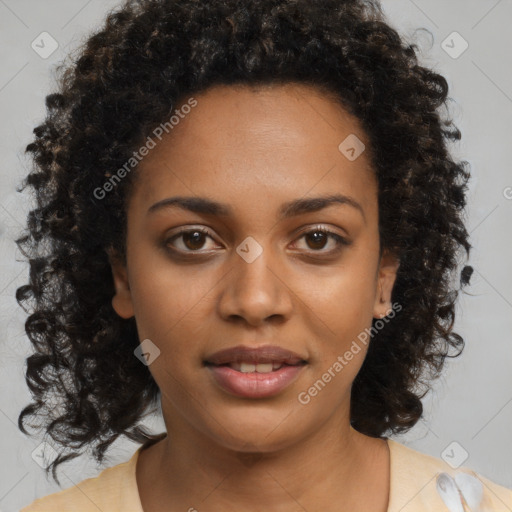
[(258, 367), (254, 372), (243, 358)]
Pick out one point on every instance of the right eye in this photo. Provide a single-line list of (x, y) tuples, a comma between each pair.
[(191, 239)]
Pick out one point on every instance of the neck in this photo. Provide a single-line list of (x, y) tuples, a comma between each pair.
[(331, 469)]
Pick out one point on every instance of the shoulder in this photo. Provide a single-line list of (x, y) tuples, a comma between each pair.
[(114, 489), (421, 482)]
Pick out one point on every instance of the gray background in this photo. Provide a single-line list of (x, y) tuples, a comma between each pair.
[(472, 403)]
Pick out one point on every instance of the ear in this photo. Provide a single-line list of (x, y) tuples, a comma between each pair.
[(122, 300), (388, 268)]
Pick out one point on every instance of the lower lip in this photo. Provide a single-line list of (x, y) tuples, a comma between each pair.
[(254, 384)]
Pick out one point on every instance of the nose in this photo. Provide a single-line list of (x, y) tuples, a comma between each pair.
[(255, 292)]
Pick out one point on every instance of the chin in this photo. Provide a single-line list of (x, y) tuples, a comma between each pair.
[(261, 431)]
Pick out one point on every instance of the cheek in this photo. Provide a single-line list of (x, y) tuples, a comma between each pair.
[(338, 309), (338, 313), (345, 296), (168, 299), (171, 307)]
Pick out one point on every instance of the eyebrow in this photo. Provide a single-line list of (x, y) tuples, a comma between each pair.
[(205, 206)]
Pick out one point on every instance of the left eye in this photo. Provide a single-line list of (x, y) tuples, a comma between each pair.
[(193, 239), (320, 235)]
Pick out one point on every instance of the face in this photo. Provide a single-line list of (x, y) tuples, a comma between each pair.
[(270, 263)]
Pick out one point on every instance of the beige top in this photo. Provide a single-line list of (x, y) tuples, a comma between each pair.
[(415, 487)]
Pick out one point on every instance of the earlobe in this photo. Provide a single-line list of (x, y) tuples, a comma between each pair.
[(388, 268), (122, 299)]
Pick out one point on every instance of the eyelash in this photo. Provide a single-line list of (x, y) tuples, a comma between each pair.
[(340, 241)]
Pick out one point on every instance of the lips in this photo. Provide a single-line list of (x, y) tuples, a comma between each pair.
[(269, 354), (255, 372)]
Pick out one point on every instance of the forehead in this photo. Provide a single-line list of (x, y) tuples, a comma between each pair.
[(269, 139), (270, 115)]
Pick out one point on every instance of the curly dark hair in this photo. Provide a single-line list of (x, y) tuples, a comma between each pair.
[(87, 386)]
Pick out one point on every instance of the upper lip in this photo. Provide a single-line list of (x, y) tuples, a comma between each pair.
[(264, 354)]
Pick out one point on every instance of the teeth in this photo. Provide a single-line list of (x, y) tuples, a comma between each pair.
[(248, 368), (259, 368), (264, 367)]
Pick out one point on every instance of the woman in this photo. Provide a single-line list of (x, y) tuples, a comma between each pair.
[(247, 214)]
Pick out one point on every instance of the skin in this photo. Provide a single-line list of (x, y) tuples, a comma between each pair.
[(255, 149)]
